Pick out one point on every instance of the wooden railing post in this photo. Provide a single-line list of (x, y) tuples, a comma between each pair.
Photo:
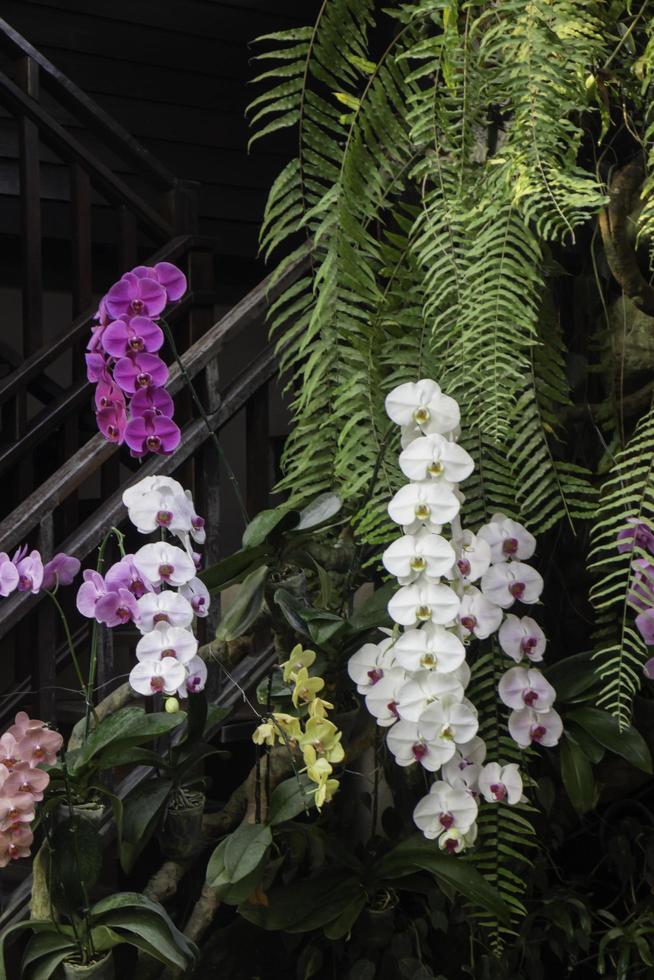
[(30, 213), (257, 464)]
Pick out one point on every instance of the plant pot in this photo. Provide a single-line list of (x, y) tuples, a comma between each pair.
[(92, 812), (182, 828), (100, 970)]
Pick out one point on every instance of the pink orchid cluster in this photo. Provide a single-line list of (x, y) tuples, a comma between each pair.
[(414, 681), (157, 589), (638, 535), (26, 746), (25, 572), (132, 404)]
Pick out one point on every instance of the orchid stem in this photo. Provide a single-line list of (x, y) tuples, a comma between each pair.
[(93, 661), (200, 407), (71, 645)]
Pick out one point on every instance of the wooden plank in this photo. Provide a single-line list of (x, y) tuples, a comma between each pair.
[(30, 212), (257, 460), (91, 113), (51, 132), (154, 47), (194, 19)]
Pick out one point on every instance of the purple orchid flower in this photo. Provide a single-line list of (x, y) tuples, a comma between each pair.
[(112, 423), (648, 669), (8, 574), (91, 589), (168, 275), (60, 570), (152, 433), (140, 371), (116, 608), (125, 575), (641, 594), (96, 367), (636, 536), (152, 399), (109, 395), (30, 570), (139, 334), (135, 296)]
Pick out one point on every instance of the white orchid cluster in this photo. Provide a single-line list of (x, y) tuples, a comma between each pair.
[(171, 593), (414, 680)]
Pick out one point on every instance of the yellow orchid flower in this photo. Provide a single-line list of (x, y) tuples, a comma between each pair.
[(319, 708), (325, 792), (319, 770), (306, 687), (298, 659), (264, 734), (324, 737), (289, 724)]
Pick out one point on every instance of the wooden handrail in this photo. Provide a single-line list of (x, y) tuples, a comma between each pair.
[(93, 116), (112, 187), (91, 456)]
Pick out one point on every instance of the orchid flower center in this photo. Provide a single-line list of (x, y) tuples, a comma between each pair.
[(136, 343), (136, 306), (197, 603), (13, 850), (375, 674), (446, 820), (423, 613), (447, 733), (165, 570), (164, 517), (392, 707), (528, 644), (469, 622), (14, 813), (530, 697), (123, 613), (112, 431), (419, 750), (517, 589), (510, 546), (25, 581), (422, 512), (153, 443), (428, 660), (538, 732), (169, 652), (435, 468), (498, 790), (160, 618), (421, 415), (144, 380), (418, 564), (452, 845), (38, 752), (157, 684), (197, 523), (464, 566), (24, 788)]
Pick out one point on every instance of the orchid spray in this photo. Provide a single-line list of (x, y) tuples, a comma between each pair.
[(454, 589)]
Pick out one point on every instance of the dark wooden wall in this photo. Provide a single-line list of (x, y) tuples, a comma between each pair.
[(175, 73)]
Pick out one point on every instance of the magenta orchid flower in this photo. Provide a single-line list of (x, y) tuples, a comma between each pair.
[(96, 367), (92, 588), (522, 637), (116, 608), (527, 726), (505, 582), (637, 535), (123, 337), (125, 575), (196, 678), (112, 423), (522, 687), (152, 433), (168, 275), (140, 371), (198, 595), (151, 399), (135, 296)]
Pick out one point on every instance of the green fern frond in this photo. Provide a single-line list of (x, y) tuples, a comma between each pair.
[(627, 496)]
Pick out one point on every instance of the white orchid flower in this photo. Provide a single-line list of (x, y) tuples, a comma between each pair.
[(421, 555)]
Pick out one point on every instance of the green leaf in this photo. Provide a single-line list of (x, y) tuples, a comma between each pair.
[(373, 612), (288, 799), (76, 862), (339, 927), (292, 609), (246, 606), (127, 727), (233, 569), (262, 526), (141, 813), (305, 905), (218, 877), (197, 711), (586, 742), (572, 676), (416, 853), (318, 512), (35, 925), (140, 920), (605, 728), (577, 776), (124, 755), (44, 952), (245, 849)]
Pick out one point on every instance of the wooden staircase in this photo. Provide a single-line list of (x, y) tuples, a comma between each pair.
[(60, 482)]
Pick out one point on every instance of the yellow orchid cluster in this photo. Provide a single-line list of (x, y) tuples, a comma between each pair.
[(319, 740)]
